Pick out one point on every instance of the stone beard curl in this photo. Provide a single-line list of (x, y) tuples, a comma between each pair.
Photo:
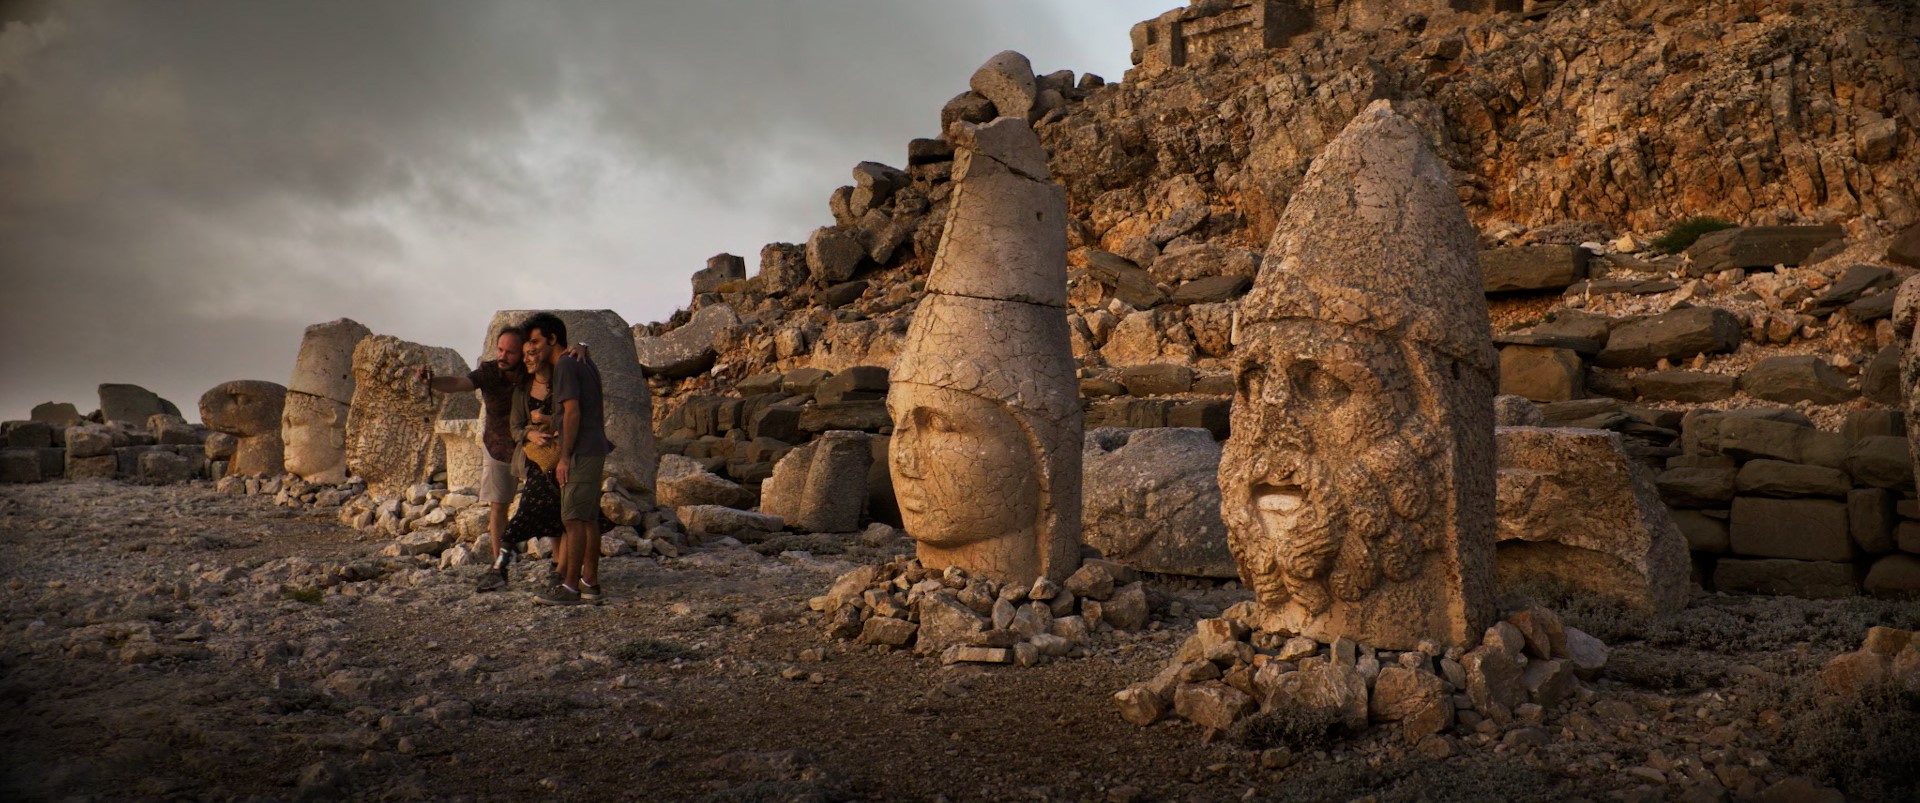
[(1365, 516)]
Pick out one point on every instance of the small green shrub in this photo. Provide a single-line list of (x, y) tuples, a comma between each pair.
[(310, 596), (646, 650), (1682, 235)]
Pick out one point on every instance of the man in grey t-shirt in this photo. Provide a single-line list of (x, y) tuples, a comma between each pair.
[(582, 466)]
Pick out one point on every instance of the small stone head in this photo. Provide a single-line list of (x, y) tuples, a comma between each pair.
[(965, 470), (244, 407)]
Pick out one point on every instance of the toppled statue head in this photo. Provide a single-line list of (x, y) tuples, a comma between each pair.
[(1358, 485), (985, 457)]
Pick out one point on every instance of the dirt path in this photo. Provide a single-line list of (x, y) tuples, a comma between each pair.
[(174, 642)]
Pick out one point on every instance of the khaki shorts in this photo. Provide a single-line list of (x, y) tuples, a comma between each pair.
[(580, 497), (497, 484)]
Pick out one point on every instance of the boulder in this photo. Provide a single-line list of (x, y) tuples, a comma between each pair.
[(1127, 281), (1894, 577), (1796, 378), (783, 268), (689, 349), (250, 410), (721, 269), (1532, 267), (20, 465), (1157, 379), (132, 404), (58, 414), (1801, 529), (833, 256), (1006, 81), (1796, 578), (1577, 514), (1757, 247), (390, 439), (627, 402), (1152, 501), (821, 486), (1704, 532), (466, 455), (720, 520), (1542, 374), (1697, 486), (29, 435), (1854, 282), (1881, 461), (165, 468), (1782, 479), (1676, 335), (683, 481), (1211, 290), (1691, 387), (859, 383)]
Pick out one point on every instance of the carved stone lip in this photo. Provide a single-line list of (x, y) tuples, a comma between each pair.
[(1275, 499)]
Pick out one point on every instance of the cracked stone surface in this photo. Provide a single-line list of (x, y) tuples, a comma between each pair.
[(985, 456), (390, 439), (1358, 488)]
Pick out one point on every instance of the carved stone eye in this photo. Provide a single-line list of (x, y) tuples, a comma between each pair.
[(1311, 382)]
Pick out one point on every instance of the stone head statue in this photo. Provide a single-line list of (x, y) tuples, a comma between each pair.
[(1357, 487), (248, 409), (985, 457)]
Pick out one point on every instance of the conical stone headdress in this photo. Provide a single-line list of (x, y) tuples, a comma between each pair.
[(994, 324)]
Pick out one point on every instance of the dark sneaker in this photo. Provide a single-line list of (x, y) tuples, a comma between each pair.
[(591, 592), (558, 595)]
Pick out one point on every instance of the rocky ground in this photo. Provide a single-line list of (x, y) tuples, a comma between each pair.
[(173, 642)]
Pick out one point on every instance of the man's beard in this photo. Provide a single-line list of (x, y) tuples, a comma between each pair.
[(1359, 518)]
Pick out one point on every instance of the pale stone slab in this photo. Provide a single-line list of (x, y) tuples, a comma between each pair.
[(1358, 486), (313, 424), (1577, 514)]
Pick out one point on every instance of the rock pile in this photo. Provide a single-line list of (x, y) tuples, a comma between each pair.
[(1523, 669), (164, 449), (904, 605)]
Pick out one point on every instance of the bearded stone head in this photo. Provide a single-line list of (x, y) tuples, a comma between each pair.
[(1357, 487)]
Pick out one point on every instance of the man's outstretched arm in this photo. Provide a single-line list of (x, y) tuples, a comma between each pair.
[(445, 384)]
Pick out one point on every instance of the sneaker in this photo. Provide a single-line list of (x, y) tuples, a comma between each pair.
[(557, 595), (591, 592), (493, 580)]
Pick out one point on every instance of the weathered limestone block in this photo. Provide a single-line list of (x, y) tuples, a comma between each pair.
[(1532, 267), (1757, 247), (686, 351), (249, 410), (1358, 489), (314, 421), (460, 439), (985, 456), (132, 404), (684, 482), (1152, 501), (626, 400), (822, 487), (721, 269), (59, 414), (1006, 81), (390, 438), (1577, 514)]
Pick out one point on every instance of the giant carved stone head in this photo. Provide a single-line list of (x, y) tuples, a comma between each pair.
[(985, 457), (1357, 487)]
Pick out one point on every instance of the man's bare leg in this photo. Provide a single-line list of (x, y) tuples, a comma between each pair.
[(590, 568), (496, 525), (576, 543)]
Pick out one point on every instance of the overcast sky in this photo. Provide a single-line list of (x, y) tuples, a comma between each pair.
[(185, 186)]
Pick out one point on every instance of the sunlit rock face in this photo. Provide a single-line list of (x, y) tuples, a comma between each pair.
[(1358, 485), (390, 438), (985, 456)]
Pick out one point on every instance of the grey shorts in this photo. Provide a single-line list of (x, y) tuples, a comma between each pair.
[(497, 483), (580, 497)]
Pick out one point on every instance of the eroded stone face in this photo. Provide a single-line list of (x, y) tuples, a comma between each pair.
[(390, 438), (985, 456), (315, 432), (249, 410), (1357, 488), (314, 424)]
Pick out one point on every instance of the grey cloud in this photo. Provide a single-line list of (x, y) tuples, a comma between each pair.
[(189, 185)]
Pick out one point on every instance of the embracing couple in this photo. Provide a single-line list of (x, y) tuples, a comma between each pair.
[(545, 421)]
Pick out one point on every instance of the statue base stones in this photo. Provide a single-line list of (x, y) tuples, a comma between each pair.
[(906, 605), (1232, 677)]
